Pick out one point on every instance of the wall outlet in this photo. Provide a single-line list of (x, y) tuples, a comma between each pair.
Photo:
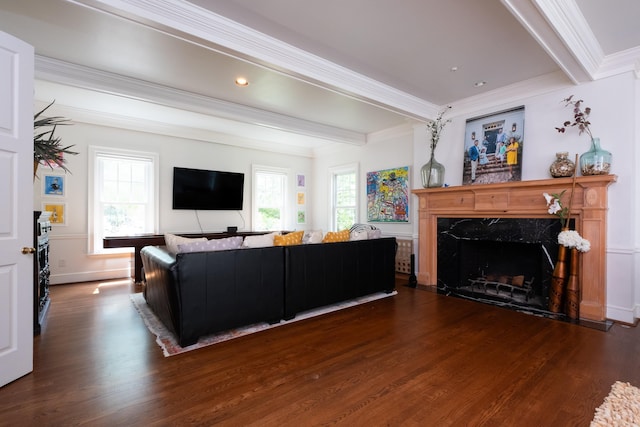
[(62, 263)]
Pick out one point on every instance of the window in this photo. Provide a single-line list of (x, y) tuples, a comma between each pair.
[(344, 197), (269, 198), (124, 197)]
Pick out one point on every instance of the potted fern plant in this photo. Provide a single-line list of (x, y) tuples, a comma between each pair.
[(47, 147)]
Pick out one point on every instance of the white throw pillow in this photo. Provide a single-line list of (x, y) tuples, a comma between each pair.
[(312, 236), (259, 241), (359, 235), (375, 234), (172, 241), (212, 245)]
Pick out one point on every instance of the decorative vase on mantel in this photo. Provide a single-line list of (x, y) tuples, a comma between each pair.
[(562, 166), (596, 161), (432, 173)]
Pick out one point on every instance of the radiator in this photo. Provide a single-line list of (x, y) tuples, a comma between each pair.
[(403, 256)]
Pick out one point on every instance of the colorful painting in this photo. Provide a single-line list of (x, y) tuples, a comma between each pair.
[(57, 212), (53, 185), (388, 195), (300, 198)]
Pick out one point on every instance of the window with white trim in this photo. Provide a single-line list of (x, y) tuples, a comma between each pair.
[(344, 197), (124, 196), (269, 198)]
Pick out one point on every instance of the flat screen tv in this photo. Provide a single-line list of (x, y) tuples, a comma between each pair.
[(207, 190)]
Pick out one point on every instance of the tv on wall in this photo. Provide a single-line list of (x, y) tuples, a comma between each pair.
[(207, 190)]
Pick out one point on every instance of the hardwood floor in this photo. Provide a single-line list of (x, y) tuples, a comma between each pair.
[(414, 359)]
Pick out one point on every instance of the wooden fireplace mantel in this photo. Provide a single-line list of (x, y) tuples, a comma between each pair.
[(524, 199)]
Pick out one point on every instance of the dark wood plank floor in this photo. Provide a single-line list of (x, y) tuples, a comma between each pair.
[(414, 359)]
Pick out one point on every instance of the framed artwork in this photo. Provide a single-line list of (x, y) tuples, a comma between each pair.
[(53, 185), (300, 198), (493, 148), (58, 212), (388, 195), (300, 180), (301, 216)]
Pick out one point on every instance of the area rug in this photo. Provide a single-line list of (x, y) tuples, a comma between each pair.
[(167, 341), (620, 408)]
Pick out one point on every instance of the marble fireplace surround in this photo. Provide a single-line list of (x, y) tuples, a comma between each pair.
[(523, 199)]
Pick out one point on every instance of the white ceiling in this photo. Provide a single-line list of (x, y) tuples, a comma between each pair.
[(335, 70)]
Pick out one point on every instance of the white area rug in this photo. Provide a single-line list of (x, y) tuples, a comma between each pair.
[(620, 408), (167, 341)]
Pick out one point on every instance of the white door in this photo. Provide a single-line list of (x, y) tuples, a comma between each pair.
[(16, 208)]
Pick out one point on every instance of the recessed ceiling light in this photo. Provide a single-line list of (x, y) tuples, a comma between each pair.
[(241, 81), (454, 68), (480, 83)]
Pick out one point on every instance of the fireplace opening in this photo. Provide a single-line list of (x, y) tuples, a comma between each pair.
[(502, 261), (502, 271)]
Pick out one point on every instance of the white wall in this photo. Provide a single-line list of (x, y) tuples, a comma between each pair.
[(614, 102), (69, 257)]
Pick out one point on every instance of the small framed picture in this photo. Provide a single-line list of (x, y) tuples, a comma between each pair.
[(300, 180), (53, 185), (301, 216), (300, 198), (58, 212)]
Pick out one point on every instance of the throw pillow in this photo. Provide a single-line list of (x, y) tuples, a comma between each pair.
[(259, 241), (212, 245), (294, 238), (313, 236), (359, 235), (172, 241), (374, 234), (336, 236)]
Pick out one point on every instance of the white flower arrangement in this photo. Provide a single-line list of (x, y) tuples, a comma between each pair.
[(567, 238), (573, 239), (555, 207)]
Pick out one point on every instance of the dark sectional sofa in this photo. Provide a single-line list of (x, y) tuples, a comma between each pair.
[(200, 293)]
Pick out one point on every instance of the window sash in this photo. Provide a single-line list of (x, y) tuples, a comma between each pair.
[(124, 197)]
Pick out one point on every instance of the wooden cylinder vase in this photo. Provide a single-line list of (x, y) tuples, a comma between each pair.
[(558, 281), (572, 304)]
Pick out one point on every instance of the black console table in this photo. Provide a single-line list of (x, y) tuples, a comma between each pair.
[(139, 241)]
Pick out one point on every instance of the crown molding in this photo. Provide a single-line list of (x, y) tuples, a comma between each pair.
[(56, 71), (190, 22), (530, 13), (511, 95), (620, 62), (567, 20)]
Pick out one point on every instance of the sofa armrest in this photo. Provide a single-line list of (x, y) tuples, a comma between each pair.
[(160, 284)]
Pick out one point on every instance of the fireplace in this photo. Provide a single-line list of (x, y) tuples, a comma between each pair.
[(503, 261), (520, 200)]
